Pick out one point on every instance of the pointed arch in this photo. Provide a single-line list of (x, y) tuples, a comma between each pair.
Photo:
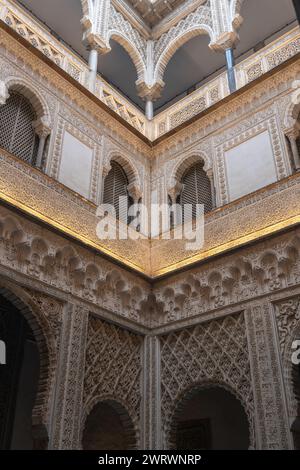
[(32, 93), (292, 111), (190, 392), (121, 408), (168, 49), (235, 9), (87, 7), (131, 50), (188, 160), (48, 360), (128, 167)]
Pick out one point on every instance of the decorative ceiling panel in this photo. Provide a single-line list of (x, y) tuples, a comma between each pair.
[(153, 11)]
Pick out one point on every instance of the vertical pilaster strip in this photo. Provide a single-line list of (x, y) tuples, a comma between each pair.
[(151, 416), (272, 428), (68, 397)]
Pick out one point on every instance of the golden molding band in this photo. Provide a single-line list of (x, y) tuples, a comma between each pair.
[(238, 243), (172, 268), (66, 231)]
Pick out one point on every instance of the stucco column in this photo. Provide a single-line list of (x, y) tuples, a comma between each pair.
[(293, 135), (149, 92), (230, 69), (213, 189), (135, 193), (174, 192), (149, 110), (272, 427), (43, 129), (225, 43), (42, 143), (151, 426), (4, 94), (93, 69), (67, 407)]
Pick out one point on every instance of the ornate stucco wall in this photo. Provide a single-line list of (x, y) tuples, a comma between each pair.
[(105, 332)]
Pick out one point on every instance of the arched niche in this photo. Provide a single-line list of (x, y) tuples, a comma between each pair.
[(109, 426), (191, 63), (209, 418)]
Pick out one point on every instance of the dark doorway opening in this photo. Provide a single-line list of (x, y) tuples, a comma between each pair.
[(18, 379), (211, 419), (109, 427)]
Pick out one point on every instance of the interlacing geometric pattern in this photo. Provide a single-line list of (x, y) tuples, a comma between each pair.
[(113, 365), (216, 353), (288, 324), (201, 16)]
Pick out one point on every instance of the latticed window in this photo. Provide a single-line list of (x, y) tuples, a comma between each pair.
[(196, 190), (115, 187), (17, 135)]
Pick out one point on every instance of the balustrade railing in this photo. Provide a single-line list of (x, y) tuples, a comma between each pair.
[(203, 98)]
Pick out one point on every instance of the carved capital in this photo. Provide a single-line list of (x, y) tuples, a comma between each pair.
[(96, 42), (106, 169), (42, 126), (134, 191), (86, 22), (175, 190), (237, 21), (293, 132), (149, 92), (4, 94), (225, 41)]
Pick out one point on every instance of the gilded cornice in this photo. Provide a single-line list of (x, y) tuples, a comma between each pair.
[(256, 216)]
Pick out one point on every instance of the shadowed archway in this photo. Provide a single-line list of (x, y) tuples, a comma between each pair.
[(209, 418), (109, 427), (19, 378), (35, 357)]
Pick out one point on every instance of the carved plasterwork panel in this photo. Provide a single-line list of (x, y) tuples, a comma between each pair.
[(28, 249), (170, 41), (128, 36), (273, 428), (113, 367), (51, 308), (69, 381), (287, 313), (215, 354), (268, 267)]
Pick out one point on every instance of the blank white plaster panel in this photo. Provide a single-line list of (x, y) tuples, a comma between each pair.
[(76, 165), (250, 166)]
